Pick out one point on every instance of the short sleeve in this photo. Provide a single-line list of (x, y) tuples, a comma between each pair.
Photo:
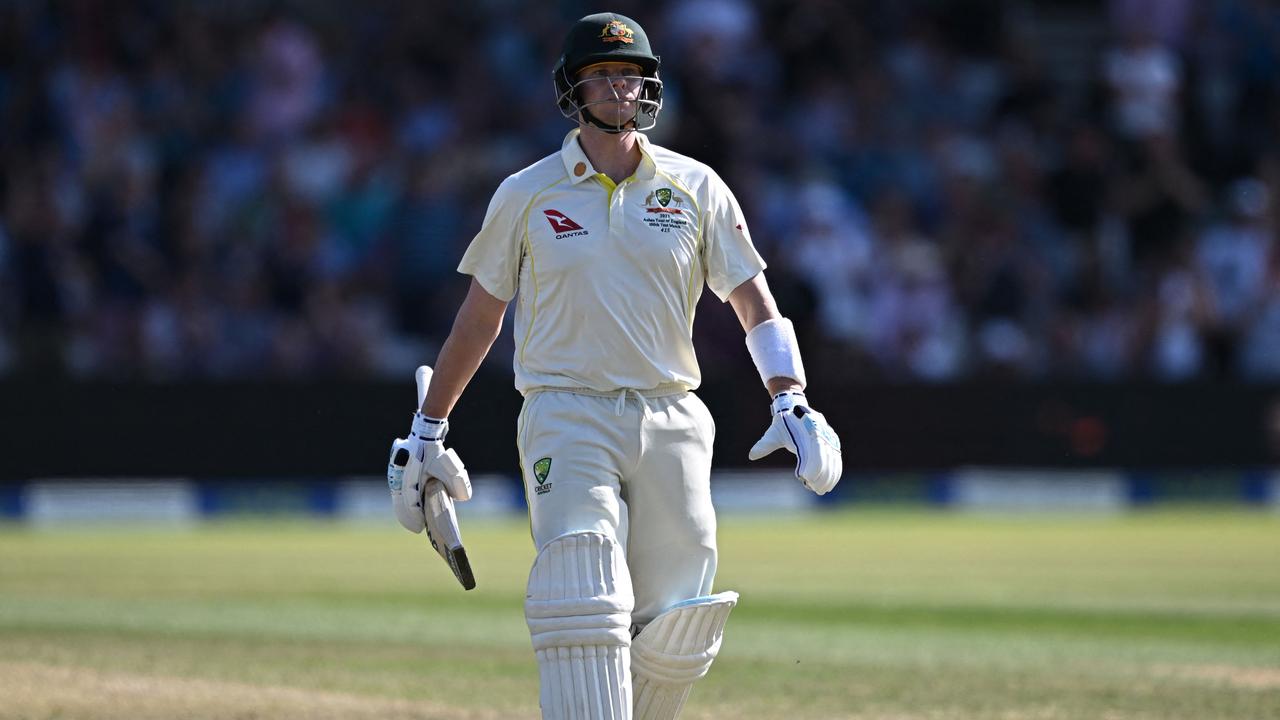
[(493, 257), (731, 259)]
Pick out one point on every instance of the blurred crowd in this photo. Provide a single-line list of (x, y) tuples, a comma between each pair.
[(944, 190)]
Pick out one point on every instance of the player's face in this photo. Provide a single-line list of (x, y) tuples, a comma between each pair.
[(615, 86)]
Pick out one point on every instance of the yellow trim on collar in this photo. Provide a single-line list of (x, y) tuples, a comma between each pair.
[(571, 153)]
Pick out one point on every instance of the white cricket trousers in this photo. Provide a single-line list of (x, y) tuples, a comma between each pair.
[(636, 468)]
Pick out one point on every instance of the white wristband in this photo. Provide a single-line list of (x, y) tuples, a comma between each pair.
[(775, 351)]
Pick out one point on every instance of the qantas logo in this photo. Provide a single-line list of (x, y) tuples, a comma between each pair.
[(561, 223)]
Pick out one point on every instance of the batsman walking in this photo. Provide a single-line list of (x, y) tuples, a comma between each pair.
[(605, 246)]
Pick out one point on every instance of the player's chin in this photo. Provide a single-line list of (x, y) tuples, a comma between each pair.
[(616, 113)]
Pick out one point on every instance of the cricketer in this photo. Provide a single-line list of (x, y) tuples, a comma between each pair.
[(605, 246)]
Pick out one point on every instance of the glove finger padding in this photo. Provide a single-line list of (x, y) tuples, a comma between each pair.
[(818, 461), (405, 501), (447, 467)]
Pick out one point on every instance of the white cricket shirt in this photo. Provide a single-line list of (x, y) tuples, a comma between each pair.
[(608, 276)]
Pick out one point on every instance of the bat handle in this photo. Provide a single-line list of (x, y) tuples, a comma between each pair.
[(423, 378)]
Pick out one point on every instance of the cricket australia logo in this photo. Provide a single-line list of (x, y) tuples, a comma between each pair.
[(617, 31), (540, 471), (667, 209)]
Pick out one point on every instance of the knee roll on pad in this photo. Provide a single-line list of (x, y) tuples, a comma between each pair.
[(579, 593), (578, 607), (674, 651)]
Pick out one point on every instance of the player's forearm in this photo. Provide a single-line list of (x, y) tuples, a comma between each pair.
[(457, 364), (754, 304), (783, 384), (474, 330)]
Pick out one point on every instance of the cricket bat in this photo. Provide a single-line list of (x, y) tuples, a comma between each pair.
[(441, 518)]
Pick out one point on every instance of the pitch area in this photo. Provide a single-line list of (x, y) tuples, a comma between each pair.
[(852, 614)]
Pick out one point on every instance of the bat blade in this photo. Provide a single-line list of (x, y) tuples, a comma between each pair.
[(441, 517), (444, 533)]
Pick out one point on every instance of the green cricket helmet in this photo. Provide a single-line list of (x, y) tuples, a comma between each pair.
[(608, 37)]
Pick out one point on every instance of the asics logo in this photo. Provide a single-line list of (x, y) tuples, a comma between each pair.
[(822, 431)]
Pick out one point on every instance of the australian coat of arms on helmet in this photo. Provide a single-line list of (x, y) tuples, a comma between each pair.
[(617, 31)]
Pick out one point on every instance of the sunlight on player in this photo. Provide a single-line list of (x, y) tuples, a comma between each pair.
[(610, 91), (607, 244)]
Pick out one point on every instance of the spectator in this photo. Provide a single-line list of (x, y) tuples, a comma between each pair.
[(1232, 257), (1144, 79), (243, 191)]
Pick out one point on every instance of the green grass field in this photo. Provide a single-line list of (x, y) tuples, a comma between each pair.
[(861, 614)]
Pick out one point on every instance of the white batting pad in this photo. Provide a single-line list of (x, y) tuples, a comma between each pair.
[(578, 608), (676, 649)]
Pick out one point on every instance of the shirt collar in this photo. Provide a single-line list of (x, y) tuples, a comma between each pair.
[(573, 155)]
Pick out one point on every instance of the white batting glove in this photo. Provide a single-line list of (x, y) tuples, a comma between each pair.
[(805, 432), (414, 461)]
